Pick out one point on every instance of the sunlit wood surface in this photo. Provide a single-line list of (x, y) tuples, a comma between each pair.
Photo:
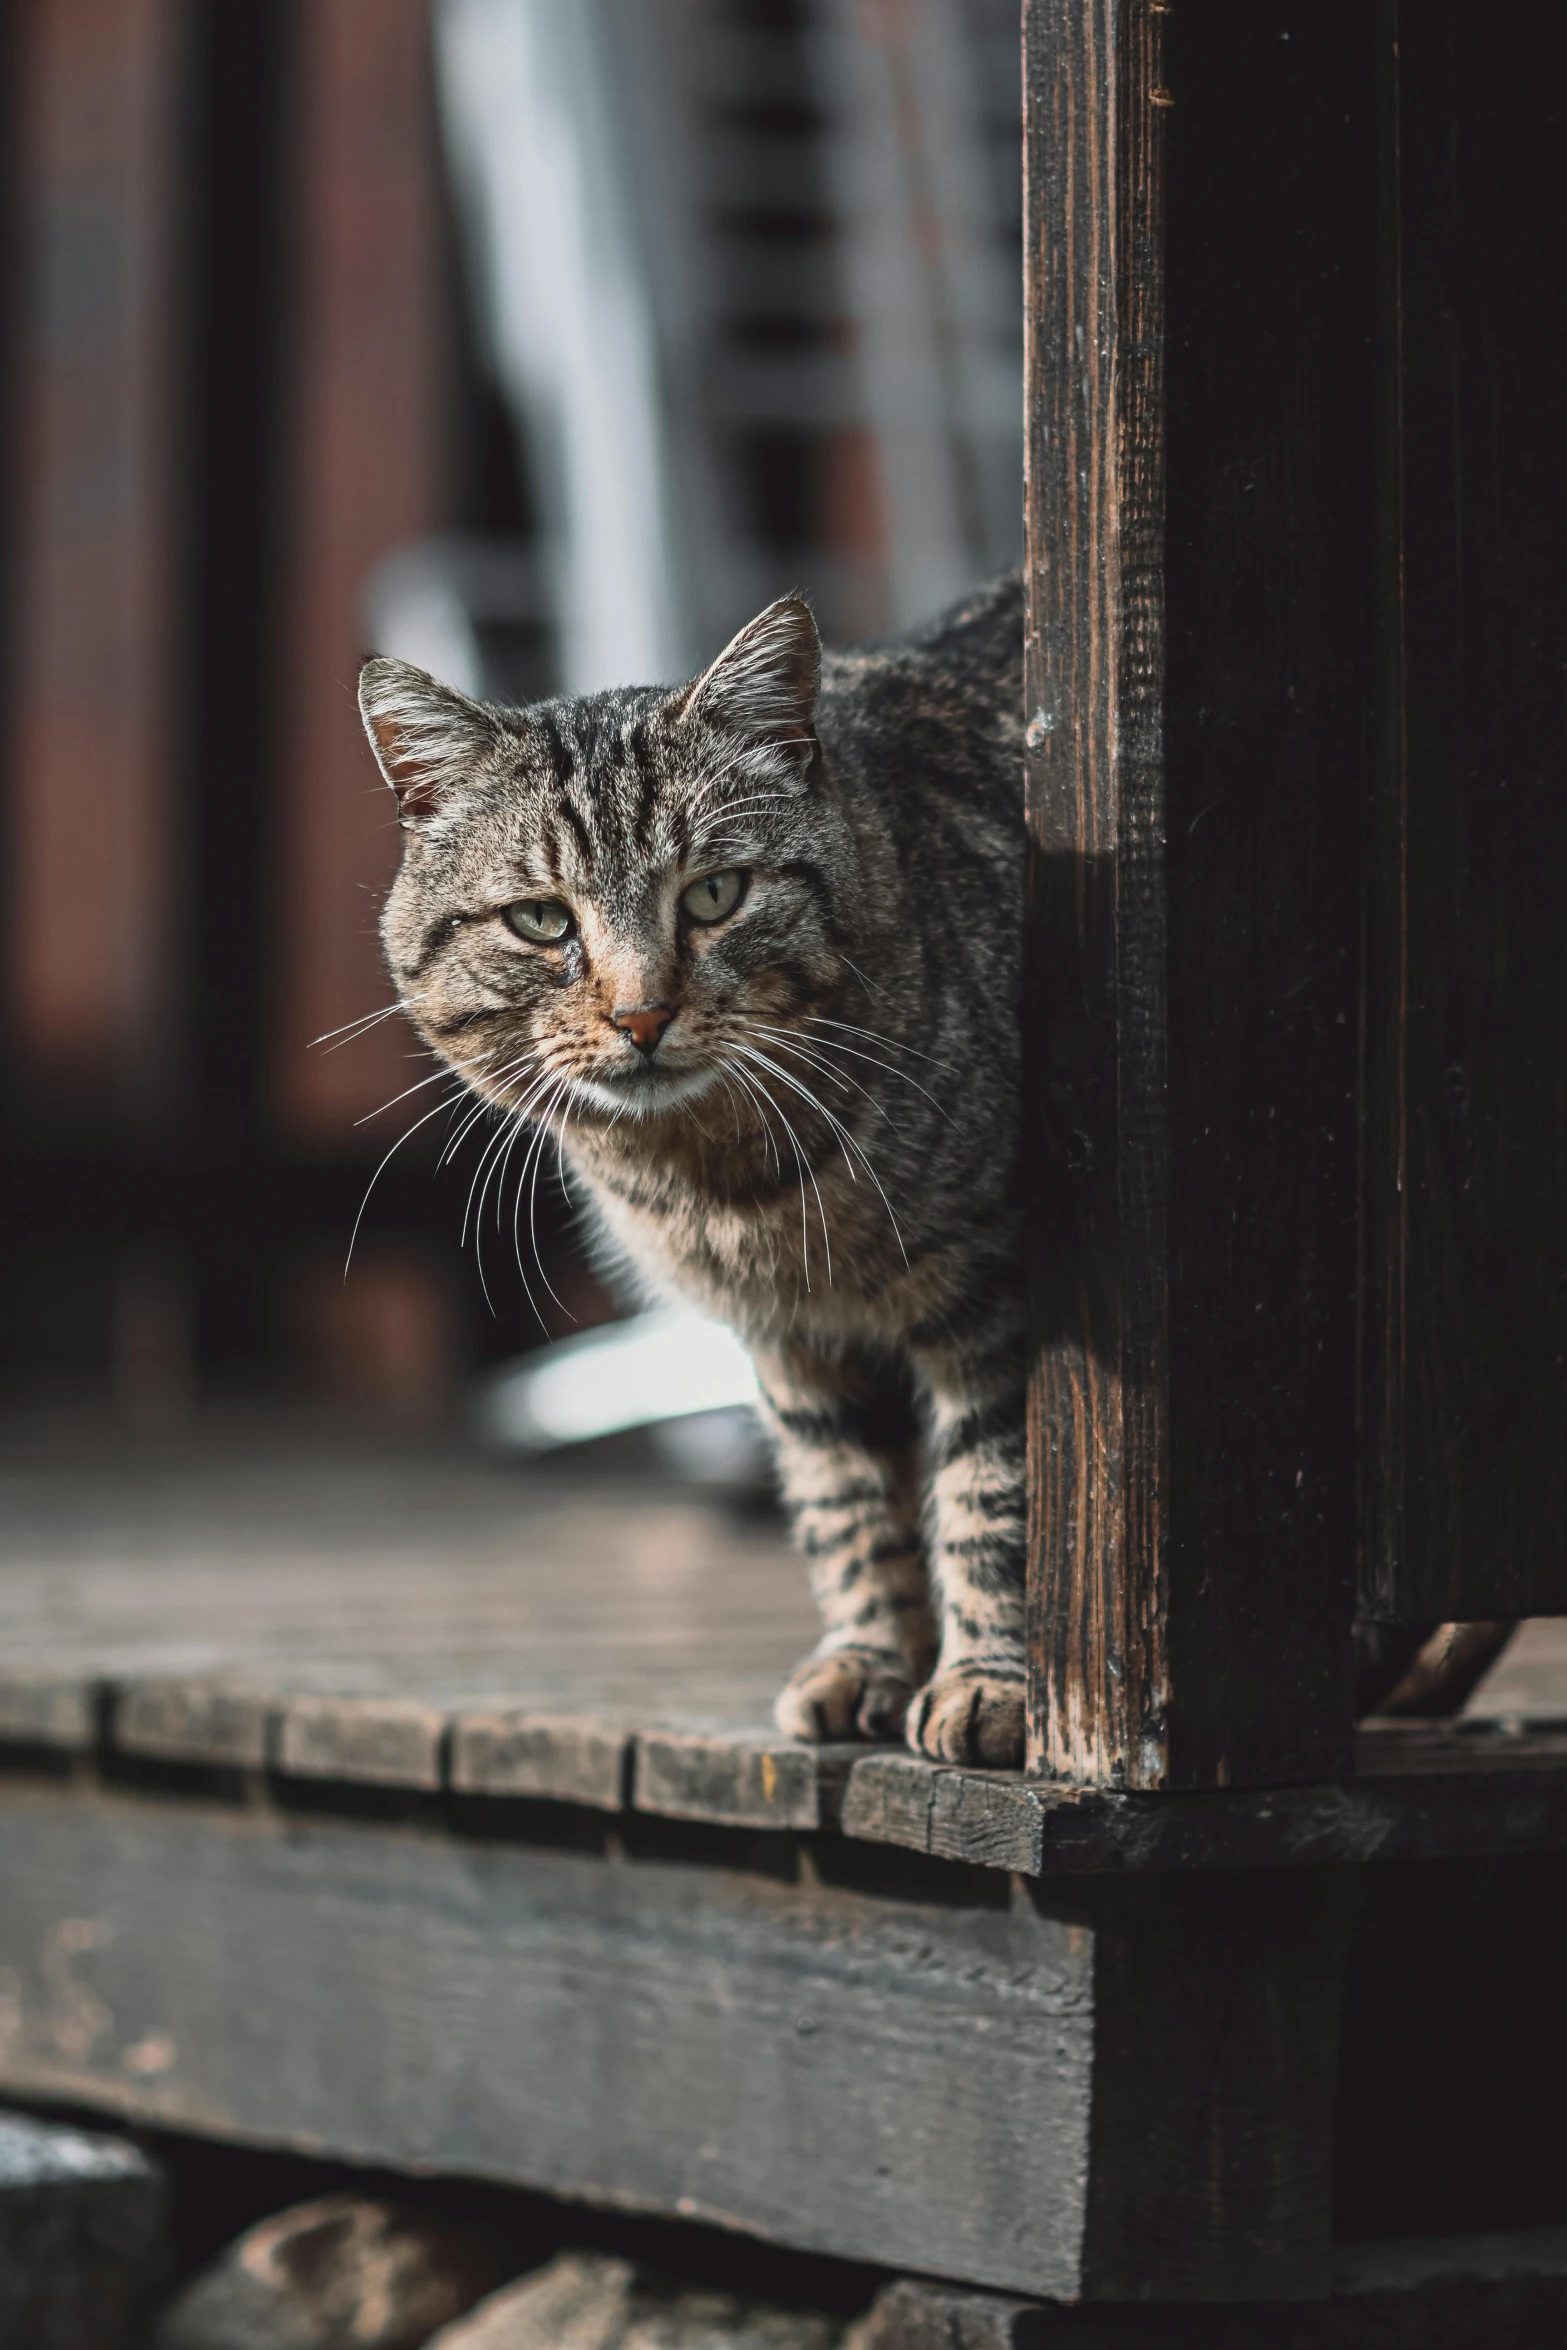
[(393, 1567)]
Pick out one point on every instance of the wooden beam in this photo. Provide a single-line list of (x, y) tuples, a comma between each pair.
[(798, 2061), (1114, 2091), (1465, 1372), (1199, 193)]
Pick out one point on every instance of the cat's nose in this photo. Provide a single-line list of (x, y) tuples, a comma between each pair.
[(644, 1025)]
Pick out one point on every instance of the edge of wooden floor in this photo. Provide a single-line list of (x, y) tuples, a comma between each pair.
[(1419, 1790)]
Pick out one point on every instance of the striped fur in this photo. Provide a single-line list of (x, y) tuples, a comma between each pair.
[(822, 1146)]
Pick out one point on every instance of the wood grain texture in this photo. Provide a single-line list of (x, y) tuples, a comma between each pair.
[(1466, 1091), (1199, 194), (45, 1705), (193, 1719), (381, 1741), (1420, 1792), (1217, 2007), (753, 1781), (526, 1751), (793, 2060), (1093, 143)]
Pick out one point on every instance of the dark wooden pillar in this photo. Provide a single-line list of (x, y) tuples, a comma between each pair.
[(1466, 1030), (1200, 218)]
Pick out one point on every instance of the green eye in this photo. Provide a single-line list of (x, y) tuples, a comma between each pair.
[(543, 921), (714, 896)]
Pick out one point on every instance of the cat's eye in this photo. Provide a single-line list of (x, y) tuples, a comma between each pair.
[(544, 922), (714, 896)]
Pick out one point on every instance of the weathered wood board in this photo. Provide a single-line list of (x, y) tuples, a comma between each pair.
[(999, 2090), (1465, 1371), (1198, 216), (894, 2081)]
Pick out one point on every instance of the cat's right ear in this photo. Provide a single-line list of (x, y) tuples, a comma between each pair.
[(766, 679), (427, 737)]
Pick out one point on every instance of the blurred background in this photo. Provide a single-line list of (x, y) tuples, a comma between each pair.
[(538, 341)]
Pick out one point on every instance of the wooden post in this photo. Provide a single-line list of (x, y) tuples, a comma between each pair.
[(1466, 1029), (1198, 218)]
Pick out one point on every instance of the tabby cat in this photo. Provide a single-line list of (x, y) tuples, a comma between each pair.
[(752, 947)]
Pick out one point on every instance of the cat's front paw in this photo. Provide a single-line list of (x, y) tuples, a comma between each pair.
[(970, 1714), (848, 1693)]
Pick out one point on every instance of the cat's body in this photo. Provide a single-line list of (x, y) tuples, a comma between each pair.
[(778, 1035)]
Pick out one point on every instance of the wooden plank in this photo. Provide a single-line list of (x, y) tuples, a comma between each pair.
[(193, 1718), (990, 1817), (526, 1751), (739, 1780), (1093, 143), (1216, 2025), (1466, 1081), (378, 1740), (48, 1705), (799, 2061), (1422, 1792), (1199, 199)]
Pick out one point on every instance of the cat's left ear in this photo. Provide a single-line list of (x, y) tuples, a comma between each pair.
[(427, 737), (766, 679)]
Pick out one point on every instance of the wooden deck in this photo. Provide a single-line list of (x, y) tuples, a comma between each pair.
[(427, 1620), (395, 1805)]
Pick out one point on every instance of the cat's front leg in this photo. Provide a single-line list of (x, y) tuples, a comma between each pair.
[(971, 1711), (845, 1442)]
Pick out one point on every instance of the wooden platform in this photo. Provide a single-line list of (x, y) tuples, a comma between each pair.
[(425, 1620), (393, 1805)]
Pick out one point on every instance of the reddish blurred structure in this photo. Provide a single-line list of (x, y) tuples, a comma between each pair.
[(277, 311), (92, 982), (366, 475)]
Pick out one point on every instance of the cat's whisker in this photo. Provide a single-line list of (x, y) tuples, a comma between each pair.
[(846, 1140), (445, 1070), (784, 1040), (501, 1077), (366, 1020), (828, 1045), (376, 1177), (801, 1161), (894, 1044), (754, 1099), (532, 1157), (859, 975), (512, 1114)]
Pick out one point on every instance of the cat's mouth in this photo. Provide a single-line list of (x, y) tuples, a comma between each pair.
[(635, 1088)]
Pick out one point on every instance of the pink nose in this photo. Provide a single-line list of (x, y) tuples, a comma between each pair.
[(645, 1025)]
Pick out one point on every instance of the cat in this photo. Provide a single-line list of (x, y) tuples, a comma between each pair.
[(752, 946)]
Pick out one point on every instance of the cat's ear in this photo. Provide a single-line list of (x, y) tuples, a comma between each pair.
[(766, 679), (427, 737)]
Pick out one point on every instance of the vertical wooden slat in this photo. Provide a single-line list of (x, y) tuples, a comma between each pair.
[(1199, 207), (90, 949), (1466, 1085), (363, 467), (1093, 133)]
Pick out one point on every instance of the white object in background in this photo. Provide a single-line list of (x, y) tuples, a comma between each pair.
[(664, 1365), (532, 130)]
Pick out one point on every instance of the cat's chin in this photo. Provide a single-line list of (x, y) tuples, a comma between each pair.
[(647, 1093)]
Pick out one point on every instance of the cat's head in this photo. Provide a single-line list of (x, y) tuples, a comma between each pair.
[(610, 902)]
